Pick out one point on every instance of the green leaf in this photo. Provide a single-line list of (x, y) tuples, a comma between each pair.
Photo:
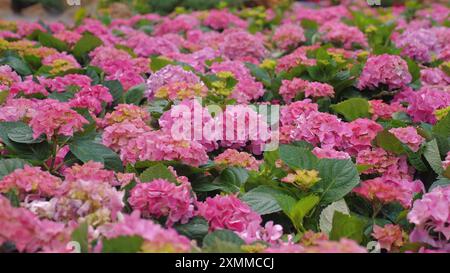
[(414, 69), (62, 97), (17, 63), (262, 200), (8, 166), (222, 241), (326, 216), (86, 44), (123, 244), (135, 94), (347, 226), (49, 40), (86, 150), (3, 95), (195, 229), (389, 142), (24, 134), (230, 180), (442, 127), (286, 202), (338, 177), (352, 108), (157, 171), (433, 157), (297, 157), (80, 235), (13, 198), (301, 209), (156, 63), (259, 73), (116, 90), (440, 182)]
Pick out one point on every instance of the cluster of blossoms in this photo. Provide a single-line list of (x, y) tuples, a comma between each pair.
[(159, 128), (385, 69), (290, 89)]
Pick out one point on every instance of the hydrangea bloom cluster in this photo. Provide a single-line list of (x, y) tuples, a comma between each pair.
[(431, 216), (54, 118), (163, 198), (266, 127), (385, 69), (288, 35), (290, 89), (387, 190), (409, 136)]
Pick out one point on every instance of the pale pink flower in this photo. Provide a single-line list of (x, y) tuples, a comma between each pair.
[(156, 238), (232, 157), (31, 180), (390, 236)]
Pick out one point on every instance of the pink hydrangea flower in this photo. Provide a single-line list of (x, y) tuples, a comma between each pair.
[(28, 233), (409, 136), (380, 109), (18, 109), (55, 118), (91, 98), (156, 238), (423, 103), (431, 215), (7, 77), (181, 23), (54, 61), (320, 128), (117, 135), (382, 162), (127, 112), (68, 36), (31, 180), (291, 88), (239, 45), (232, 157), (92, 171), (95, 201), (296, 58), (387, 190), (160, 145), (330, 153), (341, 33), (163, 198), (418, 44), (175, 82), (240, 124), (288, 36), (223, 19), (227, 212), (28, 87), (60, 83), (190, 113), (247, 88), (363, 132), (434, 76), (144, 45), (390, 236), (384, 69)]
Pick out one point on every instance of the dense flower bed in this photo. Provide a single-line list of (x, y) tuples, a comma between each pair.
[(302, 129)]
